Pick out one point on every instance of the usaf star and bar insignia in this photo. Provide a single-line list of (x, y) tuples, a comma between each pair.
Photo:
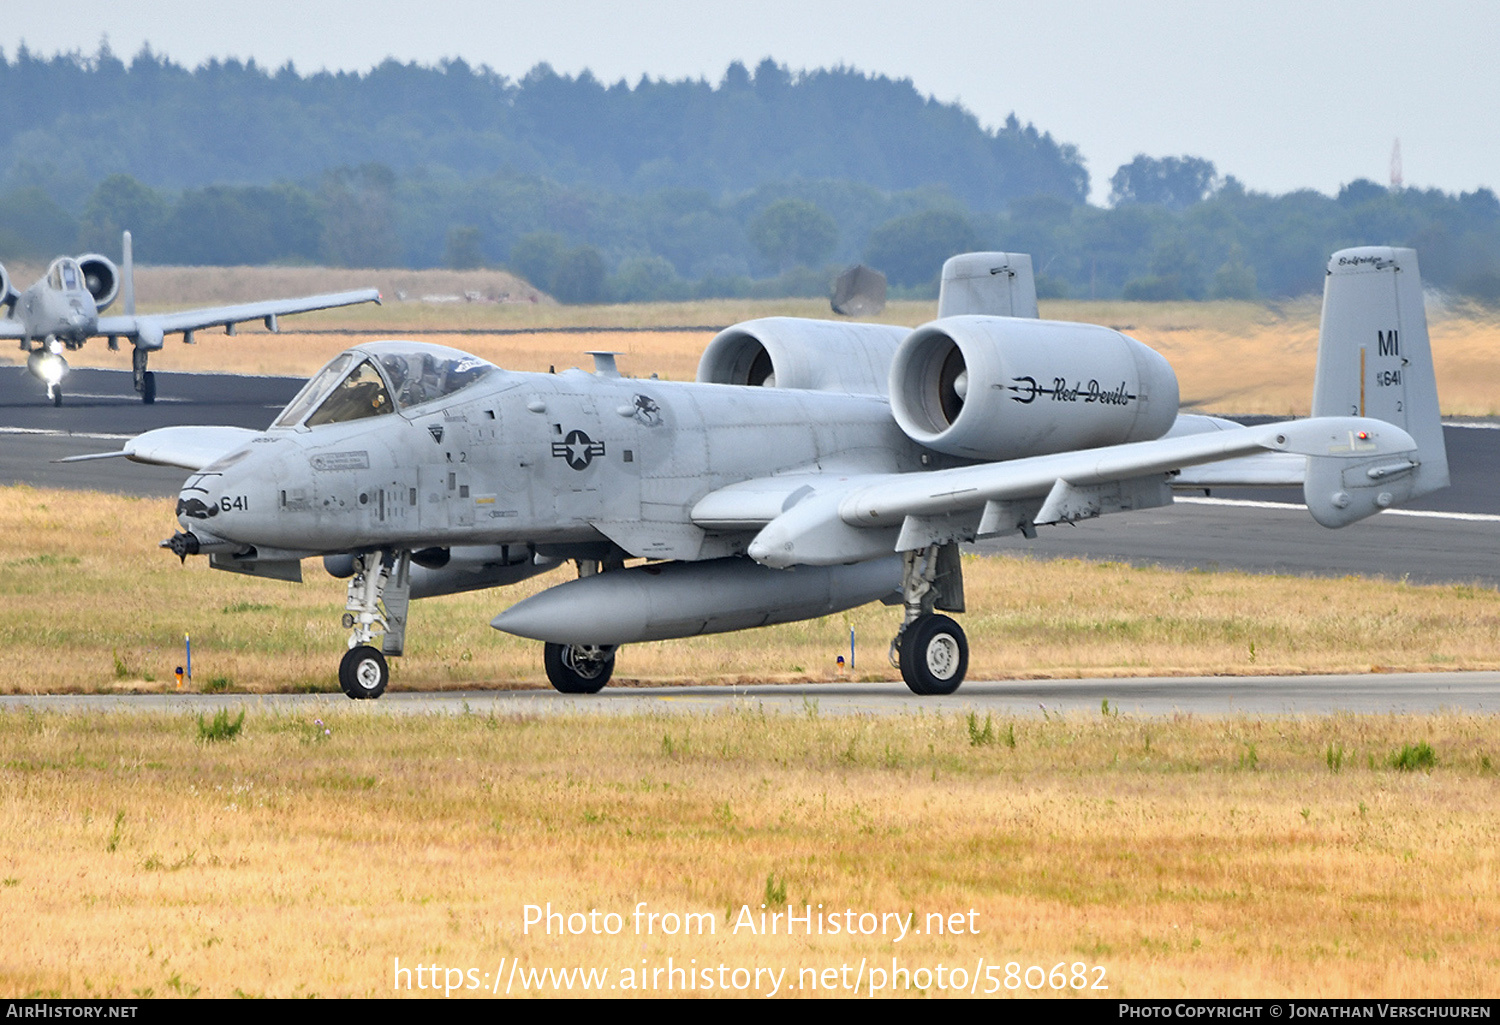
[(578, 449)]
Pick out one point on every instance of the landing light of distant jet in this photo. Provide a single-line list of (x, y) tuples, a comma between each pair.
[(48, 367)]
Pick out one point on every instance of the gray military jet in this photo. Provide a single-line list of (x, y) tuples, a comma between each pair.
[(62, 311), (813, 466)]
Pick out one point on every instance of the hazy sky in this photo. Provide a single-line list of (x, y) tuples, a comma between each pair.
[(1283, 94)]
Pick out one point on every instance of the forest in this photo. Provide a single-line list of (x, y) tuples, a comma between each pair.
[(764, 183)]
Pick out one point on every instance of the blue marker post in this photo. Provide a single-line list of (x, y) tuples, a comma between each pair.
[(188, 641), (851, 649)]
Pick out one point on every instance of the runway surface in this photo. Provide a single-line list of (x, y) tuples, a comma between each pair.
[(1410, 693), (101, 409)]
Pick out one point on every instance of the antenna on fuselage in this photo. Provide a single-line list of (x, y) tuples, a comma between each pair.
[(127, 271), (604, 363)]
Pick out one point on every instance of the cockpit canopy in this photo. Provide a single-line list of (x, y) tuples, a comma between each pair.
[(64, 275), (379, 378)]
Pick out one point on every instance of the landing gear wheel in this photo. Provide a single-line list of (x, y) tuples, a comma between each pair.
[(148, 387), (54, 392), (575, 669), (364, 672), (934, 655)]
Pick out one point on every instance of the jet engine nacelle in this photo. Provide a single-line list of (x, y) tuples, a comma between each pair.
[(101, 278), (789, 352), (1005, 388)]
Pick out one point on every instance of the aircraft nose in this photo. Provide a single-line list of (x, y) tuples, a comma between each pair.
[(209, 500), (203, 509), (196, 507)]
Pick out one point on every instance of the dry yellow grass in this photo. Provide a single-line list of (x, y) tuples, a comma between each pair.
[(1211, 858), (1231, 357), (93, 605), (1240, 357)]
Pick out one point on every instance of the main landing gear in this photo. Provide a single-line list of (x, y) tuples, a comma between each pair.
[(379, 593), (931, 650), (583, 668), (578, 668)]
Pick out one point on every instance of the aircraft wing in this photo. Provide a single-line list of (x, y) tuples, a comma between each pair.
[(154, 325), (191, 448), (1266, 469), (11, 329), (825, 521), (1263, 469)]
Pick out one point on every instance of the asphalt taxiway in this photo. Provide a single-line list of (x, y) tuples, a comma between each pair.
[(101, 409), (1361, 694)]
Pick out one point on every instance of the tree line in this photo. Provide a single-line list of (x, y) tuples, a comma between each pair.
[(662, 190), (80, 118)]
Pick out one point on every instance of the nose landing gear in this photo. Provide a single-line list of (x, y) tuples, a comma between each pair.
[(364, 672), (48, 366), (379, 593)]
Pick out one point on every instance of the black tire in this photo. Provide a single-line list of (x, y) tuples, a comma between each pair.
[(148, 387), (934, 655), (56, 395), (364, 672), (576, 676)]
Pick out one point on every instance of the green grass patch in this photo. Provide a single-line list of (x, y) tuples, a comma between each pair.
[(1413, 757), (221, 727)]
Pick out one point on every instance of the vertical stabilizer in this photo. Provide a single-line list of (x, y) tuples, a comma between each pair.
[(1374, 360), (127, 271), (988, 284)]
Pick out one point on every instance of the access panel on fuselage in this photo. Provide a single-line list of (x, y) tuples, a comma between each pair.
[(579, 462), (444, 486)]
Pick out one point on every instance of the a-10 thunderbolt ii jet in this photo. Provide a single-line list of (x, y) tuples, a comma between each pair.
[(62, 310), (814, 466)]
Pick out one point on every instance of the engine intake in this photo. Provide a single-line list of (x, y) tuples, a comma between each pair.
[(1005, 388), (101, 278)]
